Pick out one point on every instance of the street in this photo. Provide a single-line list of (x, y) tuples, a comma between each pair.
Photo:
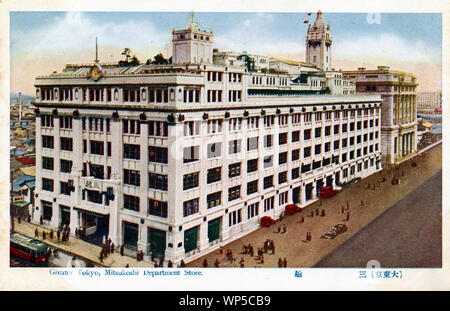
[(408, 235), (378, 193)]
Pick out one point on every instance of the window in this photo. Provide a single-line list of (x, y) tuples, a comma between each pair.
[(157, 154), (295, 173), (268, 204), (191, 154), (64, 188), (336, 145), (214, 126), (130, 202), (307, 134), (295, 136), (282, 138), (190, 207), (317, 132), (344, 128), (327, 130), (157, 128), (252, 165), (157, 208), (131, 151), (306, 152), (66, 143), (97, 147), (234, 170), (295, 154), (47, 184), (234, 146), (344, 142), (268, 161), (283, 198), (327, 147), (190, 181), (214, 150), (282, 157), (47, 163), (267, 141), (268, 182), (234, 193), (317, 149), (191, 128), (235, 124), (47, 141), (252, 143), (157, 181), (131, 177), (214, 174), (282, 177), (47, 121), (234, 218), (252, 187), (253, 210), (214, 199), (253, 122), (65, 166)]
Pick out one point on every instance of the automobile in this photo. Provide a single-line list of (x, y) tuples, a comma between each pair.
[(334, 231)]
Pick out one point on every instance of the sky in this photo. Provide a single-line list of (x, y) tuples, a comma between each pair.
[(43, 42)]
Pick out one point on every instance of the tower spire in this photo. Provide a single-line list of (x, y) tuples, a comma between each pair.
[(96, 51)]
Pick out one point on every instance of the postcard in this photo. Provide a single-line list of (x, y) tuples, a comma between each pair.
[(261, 147)]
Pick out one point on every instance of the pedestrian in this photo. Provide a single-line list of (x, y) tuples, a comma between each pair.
[(302, 220), (342, 209), (244, 249), (312, 214), (170, 264), (348, 216), (285, 262), (242, 263), (18, 220), (101, 256), (121, 250), (205, 263), (323, 213), (58, 234), (51, 234), (127, 265), (138, 256), (273, 248), (279, 229), (41, 220), (112, 247), (43, 235), (217, 263), (280, 263), (348, 205), (262, 259), (317, 212), (36, 233), (182, 264), (76, 232)]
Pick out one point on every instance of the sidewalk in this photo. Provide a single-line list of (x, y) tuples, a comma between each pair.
[(80, 248), (293, 246)]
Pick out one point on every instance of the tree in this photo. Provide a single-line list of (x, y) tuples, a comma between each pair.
[(134, 60)]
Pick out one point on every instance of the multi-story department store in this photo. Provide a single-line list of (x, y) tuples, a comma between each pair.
[(180, 159)]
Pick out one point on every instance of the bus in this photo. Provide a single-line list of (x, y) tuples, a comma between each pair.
[(30, 250)]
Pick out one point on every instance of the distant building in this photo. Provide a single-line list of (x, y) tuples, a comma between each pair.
[(399, 108), (429, 102)]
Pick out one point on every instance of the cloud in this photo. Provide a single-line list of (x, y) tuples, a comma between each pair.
[(385, 46), (77, 31), (256, 34)]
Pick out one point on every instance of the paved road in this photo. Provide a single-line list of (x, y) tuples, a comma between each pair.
[(409, 234)]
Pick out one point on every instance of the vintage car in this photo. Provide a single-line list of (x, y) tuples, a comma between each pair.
[(334, 231)]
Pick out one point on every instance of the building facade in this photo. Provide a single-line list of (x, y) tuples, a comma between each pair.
[(429, 102), (177, 160), (399, 109)]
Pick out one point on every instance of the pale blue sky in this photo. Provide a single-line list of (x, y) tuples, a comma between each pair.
[(358, 37)]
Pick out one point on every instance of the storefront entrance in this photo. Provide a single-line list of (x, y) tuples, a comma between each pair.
[(94, 228), (214, 229), (296, 195), (130, 234), (190, 239), (157, 240)]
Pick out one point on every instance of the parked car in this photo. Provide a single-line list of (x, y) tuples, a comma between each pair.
[(334, 231)]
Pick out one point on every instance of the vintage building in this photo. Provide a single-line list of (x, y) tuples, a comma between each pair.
[(429, 102), (399, 108), (179, 159)]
